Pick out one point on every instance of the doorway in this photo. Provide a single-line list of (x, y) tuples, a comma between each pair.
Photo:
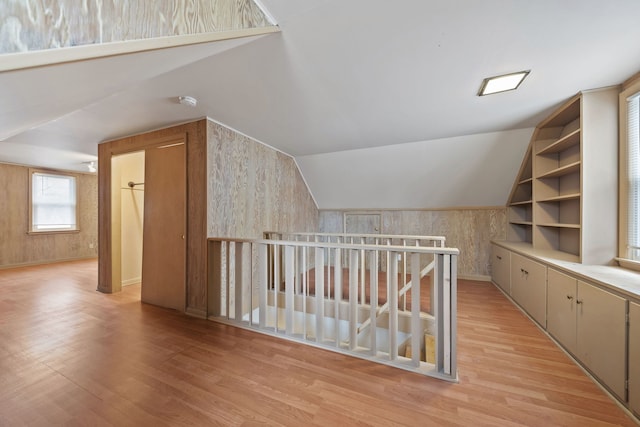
[(148, 222), (127, 173)]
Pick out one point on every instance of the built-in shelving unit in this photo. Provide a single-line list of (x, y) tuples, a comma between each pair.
[(557, 167), (521, 203), (563, 199)]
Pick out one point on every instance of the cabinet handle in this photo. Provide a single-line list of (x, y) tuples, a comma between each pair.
[(569, 296), (523, 271), (578, 301), (498, 256)]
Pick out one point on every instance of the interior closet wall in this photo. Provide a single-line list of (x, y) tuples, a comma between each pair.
[(130, 168)]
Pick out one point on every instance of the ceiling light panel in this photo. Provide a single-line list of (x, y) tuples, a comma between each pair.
[(502, 83)]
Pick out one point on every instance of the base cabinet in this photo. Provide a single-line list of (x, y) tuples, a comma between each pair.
[(561, 308), (601, 337), (501, 267), (529, 287), (634, 358), (591, 324)]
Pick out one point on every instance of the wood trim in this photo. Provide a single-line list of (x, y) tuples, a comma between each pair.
[(44, 262), (105, 278), (631, 81), (23, 60), (630, 87), (374, 210), (195, 135), (475, 277)]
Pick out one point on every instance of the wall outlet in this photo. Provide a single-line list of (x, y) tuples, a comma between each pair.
[(91, 245)]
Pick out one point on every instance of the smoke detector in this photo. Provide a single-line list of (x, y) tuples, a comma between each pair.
[(189, 101)]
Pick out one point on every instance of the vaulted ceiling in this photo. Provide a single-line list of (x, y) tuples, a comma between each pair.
[(375, 100)]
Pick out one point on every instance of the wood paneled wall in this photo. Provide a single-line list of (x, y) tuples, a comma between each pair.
[(470, 230), (236, 187), (253, 188), (40, 24), (19, 248)]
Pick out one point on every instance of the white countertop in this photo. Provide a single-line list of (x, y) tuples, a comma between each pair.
[(620, 280)]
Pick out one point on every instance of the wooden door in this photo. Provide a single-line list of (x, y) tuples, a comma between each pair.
[(164, 240), (602, 334), (561, 308)]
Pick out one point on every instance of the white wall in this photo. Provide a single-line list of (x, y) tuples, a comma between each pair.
[(130, 167), (473, 170)]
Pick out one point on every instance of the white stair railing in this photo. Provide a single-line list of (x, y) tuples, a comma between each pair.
[(294, 289), (358, 238)]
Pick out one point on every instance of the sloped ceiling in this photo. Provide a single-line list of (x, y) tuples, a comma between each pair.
[(376, 100)]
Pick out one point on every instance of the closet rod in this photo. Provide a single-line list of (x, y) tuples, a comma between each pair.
[(132, 184)]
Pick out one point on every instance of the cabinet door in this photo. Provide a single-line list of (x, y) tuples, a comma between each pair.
[(500, 267), (561, 308), (634, 357), (529, 287), (601, 341)]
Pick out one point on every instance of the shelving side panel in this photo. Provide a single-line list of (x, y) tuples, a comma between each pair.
[(600, 176)]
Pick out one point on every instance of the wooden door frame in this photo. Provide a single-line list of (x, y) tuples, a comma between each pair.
[(195, 137)]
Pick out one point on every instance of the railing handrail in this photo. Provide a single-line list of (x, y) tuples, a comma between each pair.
[(264, 285), (440, 239), (332, 245)]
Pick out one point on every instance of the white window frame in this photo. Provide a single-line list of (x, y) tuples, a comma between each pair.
[(33, 228), (625, 258)]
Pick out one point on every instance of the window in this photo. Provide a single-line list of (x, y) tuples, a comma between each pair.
[(630, 175), (53, 202)]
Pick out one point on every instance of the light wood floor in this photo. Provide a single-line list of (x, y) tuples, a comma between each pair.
[(72, 356)]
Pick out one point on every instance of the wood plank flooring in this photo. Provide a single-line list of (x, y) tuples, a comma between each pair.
[(72, 356)]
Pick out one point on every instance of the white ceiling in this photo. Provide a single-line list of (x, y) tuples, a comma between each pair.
[(339, 80)]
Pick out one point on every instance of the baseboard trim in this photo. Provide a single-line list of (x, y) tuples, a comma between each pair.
[(45, 262), (477, 277), (133, 281), (196, 312)]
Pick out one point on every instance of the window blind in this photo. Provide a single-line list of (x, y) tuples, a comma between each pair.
[(633, 150), (53, 202)]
